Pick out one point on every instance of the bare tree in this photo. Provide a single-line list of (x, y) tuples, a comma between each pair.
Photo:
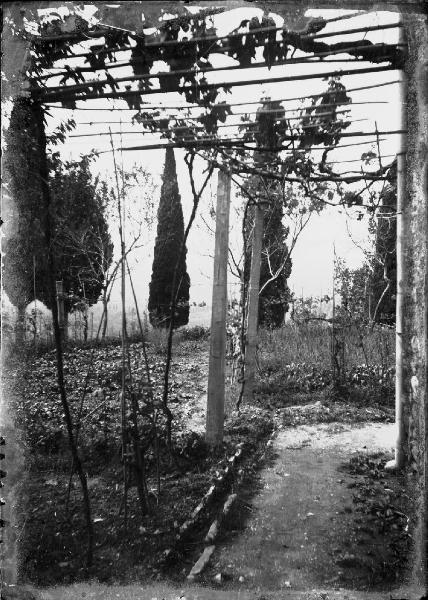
[(139, 190)]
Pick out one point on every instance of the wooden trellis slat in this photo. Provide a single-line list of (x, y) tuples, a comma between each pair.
[(200, 118), (229, 143), (288, 61), (245, 103), (216, 38), (215, 140), (196, 128), (51, 97)]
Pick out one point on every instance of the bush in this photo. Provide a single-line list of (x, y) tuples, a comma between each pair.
[(194, 334), (296, 360)]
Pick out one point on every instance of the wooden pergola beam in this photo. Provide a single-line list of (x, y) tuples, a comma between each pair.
[(217, 360)]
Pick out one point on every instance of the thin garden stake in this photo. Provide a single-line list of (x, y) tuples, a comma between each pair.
[(123, 332), (149, 381), (35, 300), (46, 197), (79, 414)]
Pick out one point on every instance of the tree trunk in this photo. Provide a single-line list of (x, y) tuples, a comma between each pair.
[(104, 315), (65, 325), (20, 324), (46, 211), (216, 376), (85, 325), (253, 307)]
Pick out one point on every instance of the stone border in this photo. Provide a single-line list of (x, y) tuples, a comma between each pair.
[(215, 527), (205, 502)]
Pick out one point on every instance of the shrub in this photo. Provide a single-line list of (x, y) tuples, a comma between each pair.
[(195, 333)]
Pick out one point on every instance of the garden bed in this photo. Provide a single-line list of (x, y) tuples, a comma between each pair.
[(52, 535)]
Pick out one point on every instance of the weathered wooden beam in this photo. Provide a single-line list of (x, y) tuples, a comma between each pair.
[(253, 306), (216, 376), (44, 95)]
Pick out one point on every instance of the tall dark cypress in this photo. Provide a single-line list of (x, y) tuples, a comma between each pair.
[(169, 239), (24, 241), (274, 298)]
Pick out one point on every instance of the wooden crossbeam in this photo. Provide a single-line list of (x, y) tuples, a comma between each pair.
[(51, 97)]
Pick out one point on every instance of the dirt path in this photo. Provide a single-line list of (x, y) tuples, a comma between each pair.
[(299, 533)]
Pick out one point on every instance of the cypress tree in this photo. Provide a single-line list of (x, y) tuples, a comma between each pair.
[(169, 238), (24, 240), (77, 205), (274, 298)]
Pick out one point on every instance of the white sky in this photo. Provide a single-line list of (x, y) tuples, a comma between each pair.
[(313, 254)]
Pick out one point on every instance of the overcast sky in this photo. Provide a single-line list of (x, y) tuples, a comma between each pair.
[(313, 254)]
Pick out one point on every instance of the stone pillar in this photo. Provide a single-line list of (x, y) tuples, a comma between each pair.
[(415, 280)]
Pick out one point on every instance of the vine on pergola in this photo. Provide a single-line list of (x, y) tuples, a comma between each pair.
[(186, 44)]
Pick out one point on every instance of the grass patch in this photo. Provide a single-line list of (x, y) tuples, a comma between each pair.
[(295, 363)]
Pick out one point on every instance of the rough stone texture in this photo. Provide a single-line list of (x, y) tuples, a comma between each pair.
[(201, 563), (15, 56), (415, 217)]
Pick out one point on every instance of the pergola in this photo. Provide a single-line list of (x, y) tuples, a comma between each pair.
[(196, 125)]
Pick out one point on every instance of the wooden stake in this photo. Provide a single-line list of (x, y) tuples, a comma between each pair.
[(61, 308), (124, 425), (216, 376), (35, 300), (253, 306)]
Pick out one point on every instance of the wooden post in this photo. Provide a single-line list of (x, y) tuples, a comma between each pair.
[(253, 306), (399, 392), (61, 309), (399, 458), (216, 376), (35, 300)]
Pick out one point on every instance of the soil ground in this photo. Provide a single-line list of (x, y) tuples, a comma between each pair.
[(322, 514), (301, 529), (301, 534)]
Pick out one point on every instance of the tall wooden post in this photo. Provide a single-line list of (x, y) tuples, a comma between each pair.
[(401, 225), (35, 300), (216, 376), (253, 306), (61, 309), (399, 324)]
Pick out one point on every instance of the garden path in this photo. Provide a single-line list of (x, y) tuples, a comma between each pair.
[(300, 530)]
